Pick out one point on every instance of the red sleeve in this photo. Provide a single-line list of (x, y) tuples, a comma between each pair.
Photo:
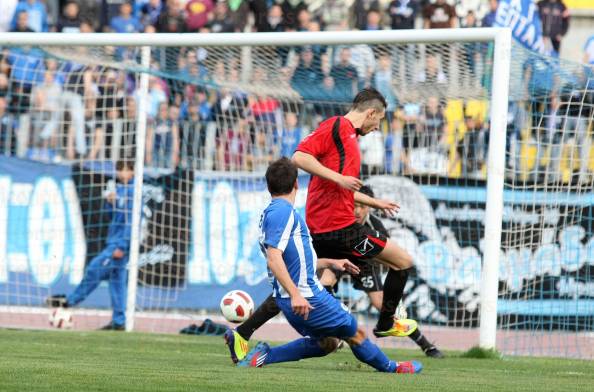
[(316, 143)]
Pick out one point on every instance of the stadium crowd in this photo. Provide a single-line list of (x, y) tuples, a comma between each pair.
[(238, 109)]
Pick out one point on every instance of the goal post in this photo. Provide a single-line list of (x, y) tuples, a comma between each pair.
[(478, 218)]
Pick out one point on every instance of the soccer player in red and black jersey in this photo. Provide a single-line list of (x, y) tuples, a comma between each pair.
[(331, 154)]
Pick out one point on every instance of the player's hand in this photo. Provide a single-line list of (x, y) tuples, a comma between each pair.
[(117, 254), (344, 265), (389, 207), (111, 198), (300, 306), (351, 183)]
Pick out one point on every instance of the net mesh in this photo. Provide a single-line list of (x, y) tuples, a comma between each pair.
[(217, 116)]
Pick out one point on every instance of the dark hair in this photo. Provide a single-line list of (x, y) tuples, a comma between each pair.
[(281, 176), (369, 98), (366, 190), (125, 163)]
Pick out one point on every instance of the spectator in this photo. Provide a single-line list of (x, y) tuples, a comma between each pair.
[(109, 10), (261, 152), (7, 11), (156, 96), (372, 154), (410, 114), (171, 19), (69, 21), (232, 147), (403, 14), (334, 15), (125, 22), (307, 74), (394, 155), (589, 51), (287, 138), (470, 50), (360, 9), (303, 20), (149, 12), (345, 75), (36, 12), (239, 11), (433, 73), (489, 18), (554, 16), (162, 149), (22, 24), (291, 10), (382, 81), (433, 121), (26, 70), (516, 121), (8, 130), (222, 21), (274, 22), (373, 20), (45, 107), (471, 148), (440, 15), (198, 13)]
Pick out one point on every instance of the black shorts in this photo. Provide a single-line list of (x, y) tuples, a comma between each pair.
[(369, 278), (355, 242)]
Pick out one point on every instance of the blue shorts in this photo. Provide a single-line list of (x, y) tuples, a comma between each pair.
[(327, 319)]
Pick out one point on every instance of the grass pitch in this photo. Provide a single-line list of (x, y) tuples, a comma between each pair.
[(116, 361)]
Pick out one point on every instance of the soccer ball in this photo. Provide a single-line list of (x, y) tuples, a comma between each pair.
[(61, 318), (237, 306)]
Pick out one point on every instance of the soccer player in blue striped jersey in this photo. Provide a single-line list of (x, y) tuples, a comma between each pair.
[(309, 308)]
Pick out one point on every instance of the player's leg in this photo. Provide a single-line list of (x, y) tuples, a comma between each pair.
[(375, 297), (97, 270), (296, 350), (237, 339), (400, 263), (369, 353), (118, 280)]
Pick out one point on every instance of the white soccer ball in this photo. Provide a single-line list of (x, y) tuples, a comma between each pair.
[(61, 318), (237, 306)]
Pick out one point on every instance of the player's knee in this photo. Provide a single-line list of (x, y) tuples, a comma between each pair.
[(329, 345), (359, 337)]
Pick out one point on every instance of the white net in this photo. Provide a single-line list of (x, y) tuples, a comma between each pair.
[(218, 115)]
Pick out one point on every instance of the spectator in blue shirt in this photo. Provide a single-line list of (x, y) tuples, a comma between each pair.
[(36, 12), (289, 137), (22, 25), (125, 22), (489, 19)]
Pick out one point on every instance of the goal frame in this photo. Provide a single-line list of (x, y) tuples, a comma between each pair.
[(500, 37)]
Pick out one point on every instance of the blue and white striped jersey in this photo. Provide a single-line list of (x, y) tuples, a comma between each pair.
[(283, 228)]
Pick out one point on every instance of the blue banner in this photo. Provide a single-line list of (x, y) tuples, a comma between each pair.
[(523, 18)]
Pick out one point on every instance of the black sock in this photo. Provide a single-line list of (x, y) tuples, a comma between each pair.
[(420, 340), (267, 310), (393, 290)]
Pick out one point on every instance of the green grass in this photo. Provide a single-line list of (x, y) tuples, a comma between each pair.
[(116, 361)]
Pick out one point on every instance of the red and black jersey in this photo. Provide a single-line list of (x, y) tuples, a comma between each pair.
[(334, 144)]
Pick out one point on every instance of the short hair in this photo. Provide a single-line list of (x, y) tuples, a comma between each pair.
[(369, 98), (125, 163), (281, 176), (366, 190)]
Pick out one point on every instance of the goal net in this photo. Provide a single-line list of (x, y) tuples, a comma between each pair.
[(217, 115)]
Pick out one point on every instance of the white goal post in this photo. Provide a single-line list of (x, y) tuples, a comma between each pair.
[(500, 37)]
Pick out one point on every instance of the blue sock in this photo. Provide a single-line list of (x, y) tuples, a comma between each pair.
[(294, 351), (372, 355)]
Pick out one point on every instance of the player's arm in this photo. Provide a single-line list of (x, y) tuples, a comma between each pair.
[(310, 164), (278, 268), (338, 265), (389, 207)]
